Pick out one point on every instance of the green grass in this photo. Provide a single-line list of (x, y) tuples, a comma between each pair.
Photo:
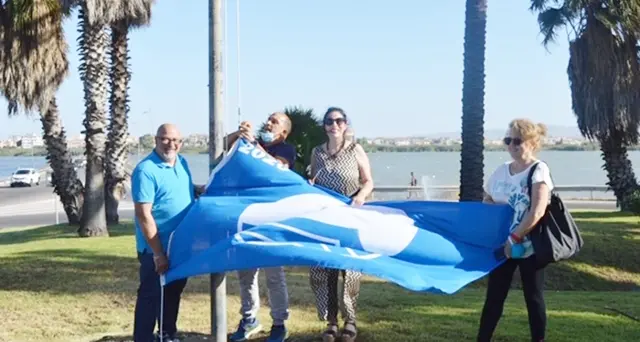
[(56, 287)]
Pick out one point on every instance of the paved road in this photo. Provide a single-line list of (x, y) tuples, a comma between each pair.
[(36, 206), (23, 195)]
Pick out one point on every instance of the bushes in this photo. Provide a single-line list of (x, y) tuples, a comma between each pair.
[(634, 202)]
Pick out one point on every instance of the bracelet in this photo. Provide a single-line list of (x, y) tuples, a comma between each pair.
[(511, 243), (515, 238)]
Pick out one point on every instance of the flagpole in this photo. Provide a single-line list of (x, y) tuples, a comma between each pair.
[(218, 284)]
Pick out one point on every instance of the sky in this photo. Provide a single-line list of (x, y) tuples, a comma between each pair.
[(395, 67)]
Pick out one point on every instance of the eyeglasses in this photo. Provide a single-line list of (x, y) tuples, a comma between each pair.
[(515, 141), (167, 141), (329, 121)]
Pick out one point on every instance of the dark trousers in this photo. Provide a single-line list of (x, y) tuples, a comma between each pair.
[(148, 302), (499, 282)]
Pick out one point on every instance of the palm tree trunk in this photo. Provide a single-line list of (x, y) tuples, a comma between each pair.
[(93, 72), (471, 155), (65, 179), (622, 179), (118, 129)]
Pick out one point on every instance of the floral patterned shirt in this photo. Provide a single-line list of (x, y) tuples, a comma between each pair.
[(507, 188)]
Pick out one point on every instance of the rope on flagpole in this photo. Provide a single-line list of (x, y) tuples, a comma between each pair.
[(239, 104), (225, 62)]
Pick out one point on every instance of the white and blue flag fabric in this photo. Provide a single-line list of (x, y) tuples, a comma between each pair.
[(257, 213)]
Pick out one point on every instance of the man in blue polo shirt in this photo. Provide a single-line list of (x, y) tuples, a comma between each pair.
[(272, 140), (162, 191)]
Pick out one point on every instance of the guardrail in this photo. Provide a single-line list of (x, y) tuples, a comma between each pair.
[(451, 192), (447, 192)]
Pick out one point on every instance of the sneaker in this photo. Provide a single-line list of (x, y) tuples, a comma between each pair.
[(246, 329), (278, 333), (166, 338)]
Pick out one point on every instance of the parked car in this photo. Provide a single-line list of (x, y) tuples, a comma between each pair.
[(25, 176)]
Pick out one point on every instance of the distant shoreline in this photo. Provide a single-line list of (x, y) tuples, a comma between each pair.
[(41, 152)]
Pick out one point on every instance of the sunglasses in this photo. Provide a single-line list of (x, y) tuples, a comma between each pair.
[(515, 141), (329, 122)]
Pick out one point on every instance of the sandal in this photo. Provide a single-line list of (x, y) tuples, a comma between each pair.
[(349, 332), (331, 334)]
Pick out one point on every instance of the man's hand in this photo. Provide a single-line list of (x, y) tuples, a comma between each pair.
[(246, 131), (199, 190), (161, 262)]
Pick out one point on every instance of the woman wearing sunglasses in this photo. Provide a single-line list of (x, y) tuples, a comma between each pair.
[(341, 165), (508, 185)]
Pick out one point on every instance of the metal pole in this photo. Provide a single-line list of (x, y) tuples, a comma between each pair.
[(218, 284)]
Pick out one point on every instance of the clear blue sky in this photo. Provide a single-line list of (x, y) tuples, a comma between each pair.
[(395, 67)]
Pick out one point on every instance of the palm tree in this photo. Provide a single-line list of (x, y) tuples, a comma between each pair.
[(33, 64), (95, 16), (307, 132), (471, 156), (604, 76), (137, 13), (93, 73)]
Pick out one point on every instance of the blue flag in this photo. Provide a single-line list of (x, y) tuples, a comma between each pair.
[(257, 213)]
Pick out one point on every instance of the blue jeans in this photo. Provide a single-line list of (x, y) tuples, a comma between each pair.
[(148, 302)]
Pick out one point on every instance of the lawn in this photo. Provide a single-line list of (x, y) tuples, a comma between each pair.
[(56, 287)]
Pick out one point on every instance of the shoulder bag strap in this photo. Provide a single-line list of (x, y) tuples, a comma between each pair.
[(529, 180)]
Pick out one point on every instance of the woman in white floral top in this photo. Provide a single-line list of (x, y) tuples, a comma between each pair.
[(508, 185)]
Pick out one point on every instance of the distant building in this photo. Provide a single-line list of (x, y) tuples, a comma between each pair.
[(30, 141), (76, 142)]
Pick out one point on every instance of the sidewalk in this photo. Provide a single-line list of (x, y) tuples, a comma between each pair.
[(48, 206)]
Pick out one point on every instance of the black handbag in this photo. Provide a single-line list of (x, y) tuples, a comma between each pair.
[(556, 236)]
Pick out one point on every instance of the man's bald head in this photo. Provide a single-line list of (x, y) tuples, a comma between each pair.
[(285, 121), (167, 128), (279, 124), (168, 142)]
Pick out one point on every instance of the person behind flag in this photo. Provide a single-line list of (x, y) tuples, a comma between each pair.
[(273, 140), (341, 165), (162, 192), (508, 185)]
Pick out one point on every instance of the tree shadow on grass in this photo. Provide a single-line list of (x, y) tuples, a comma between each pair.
[(61, 231), (77, 271)]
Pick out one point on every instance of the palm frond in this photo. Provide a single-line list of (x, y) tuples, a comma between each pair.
[(541, 5), (107, 12), (551, 20), (626, 13), (33, 60), (604, 76)]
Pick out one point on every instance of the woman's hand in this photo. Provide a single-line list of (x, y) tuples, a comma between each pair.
[(358, 200), (507, 249)]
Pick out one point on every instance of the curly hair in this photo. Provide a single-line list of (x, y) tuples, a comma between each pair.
[(529, 131)]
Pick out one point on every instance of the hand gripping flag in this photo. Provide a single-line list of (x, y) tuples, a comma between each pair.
[(257, 213)]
